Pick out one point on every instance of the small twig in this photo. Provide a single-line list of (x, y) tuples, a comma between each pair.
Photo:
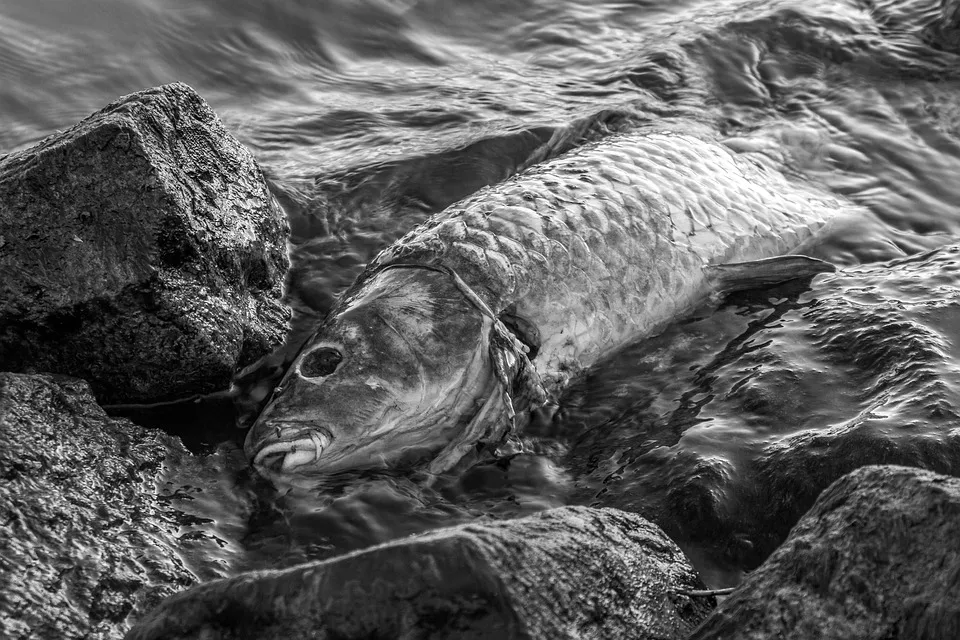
[(706, 593)]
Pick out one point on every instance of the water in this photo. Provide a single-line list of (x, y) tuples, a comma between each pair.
[(367, 116)]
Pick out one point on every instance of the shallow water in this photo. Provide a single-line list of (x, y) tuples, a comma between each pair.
[(367, 116)]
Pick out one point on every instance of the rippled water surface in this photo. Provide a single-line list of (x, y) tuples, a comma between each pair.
[(367, 116)]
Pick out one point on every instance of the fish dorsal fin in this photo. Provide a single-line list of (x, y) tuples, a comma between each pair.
[(756, 274)]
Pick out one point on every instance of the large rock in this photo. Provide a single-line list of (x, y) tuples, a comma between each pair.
[(141, 250), (876, 557), (573, 572), (84, 543)]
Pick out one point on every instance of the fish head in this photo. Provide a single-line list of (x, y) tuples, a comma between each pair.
[(387, 379)]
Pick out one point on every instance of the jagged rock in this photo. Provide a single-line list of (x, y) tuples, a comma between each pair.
[(141, 250), (84, 543), (876, 557), (572, 572)]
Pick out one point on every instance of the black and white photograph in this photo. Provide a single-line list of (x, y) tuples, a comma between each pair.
[(480, 319)]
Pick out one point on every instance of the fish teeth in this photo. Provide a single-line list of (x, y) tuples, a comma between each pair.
[(296, 458), (319, 443), (304, 450), (276, 447)]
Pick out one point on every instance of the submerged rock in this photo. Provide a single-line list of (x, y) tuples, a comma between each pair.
[(572, 572), (892, 332), (84, 543), (876, 557), (141, 250), (725, 429)]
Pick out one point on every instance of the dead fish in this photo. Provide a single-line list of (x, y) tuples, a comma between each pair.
[(453, 334)]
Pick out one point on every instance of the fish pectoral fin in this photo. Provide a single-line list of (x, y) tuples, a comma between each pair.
[(523, 329), (740, 276)]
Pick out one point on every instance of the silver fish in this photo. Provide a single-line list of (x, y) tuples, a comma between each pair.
[(452, 334)]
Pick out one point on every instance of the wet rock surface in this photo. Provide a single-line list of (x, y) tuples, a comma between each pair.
[(141, 251), (572, 572), (876, 557), (85, 546)]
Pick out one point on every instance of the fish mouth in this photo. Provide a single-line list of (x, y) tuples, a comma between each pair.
[(294, 446)]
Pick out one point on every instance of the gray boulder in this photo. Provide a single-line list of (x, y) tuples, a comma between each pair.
[(572, 572), (141, 250), (875, 558), (84, 543)]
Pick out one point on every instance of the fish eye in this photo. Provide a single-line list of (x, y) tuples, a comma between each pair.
[(320, 362)]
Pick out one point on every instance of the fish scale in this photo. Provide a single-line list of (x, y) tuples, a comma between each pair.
[(610, 241)]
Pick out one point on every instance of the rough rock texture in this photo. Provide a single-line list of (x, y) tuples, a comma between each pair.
[(84, 544), (876, 557), (573, 572), (141, 250)]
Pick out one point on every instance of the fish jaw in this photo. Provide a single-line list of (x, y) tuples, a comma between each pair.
[(289, 447)]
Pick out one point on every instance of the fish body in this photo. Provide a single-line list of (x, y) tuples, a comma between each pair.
[(496, 301)]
